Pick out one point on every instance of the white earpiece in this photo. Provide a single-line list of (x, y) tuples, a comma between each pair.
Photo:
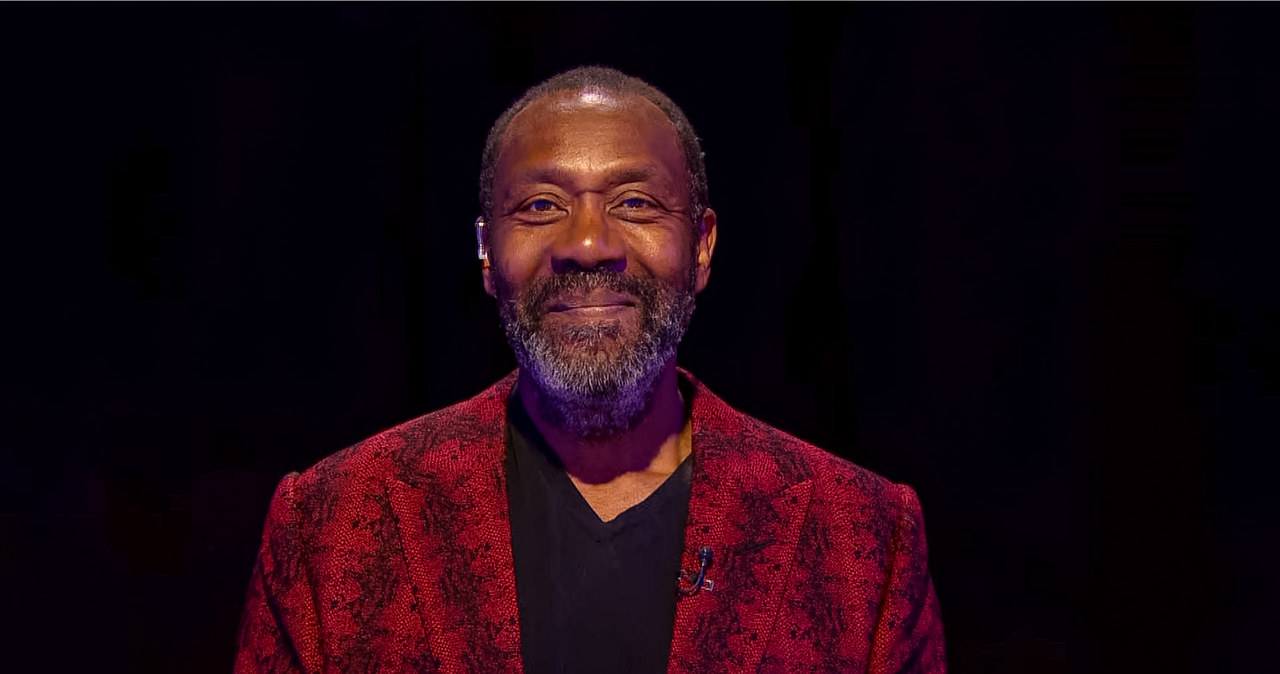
[(481, 252)]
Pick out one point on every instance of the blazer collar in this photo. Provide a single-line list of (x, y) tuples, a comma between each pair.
[(747, 503)]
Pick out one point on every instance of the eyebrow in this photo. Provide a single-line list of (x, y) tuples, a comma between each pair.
[(558, 176)]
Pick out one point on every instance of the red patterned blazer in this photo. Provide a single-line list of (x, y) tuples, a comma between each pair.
[(395, 556)]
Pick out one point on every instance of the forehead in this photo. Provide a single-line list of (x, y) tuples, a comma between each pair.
[(590, 130)]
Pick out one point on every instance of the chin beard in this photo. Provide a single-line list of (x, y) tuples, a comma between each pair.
[(595, 382)]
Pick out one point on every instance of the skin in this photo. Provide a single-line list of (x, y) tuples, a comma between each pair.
[(586, 180)]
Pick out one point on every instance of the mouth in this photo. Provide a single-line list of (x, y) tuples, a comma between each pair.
[(599, 302)]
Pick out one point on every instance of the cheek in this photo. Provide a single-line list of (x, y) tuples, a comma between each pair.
[(662, 252), (517, 256)]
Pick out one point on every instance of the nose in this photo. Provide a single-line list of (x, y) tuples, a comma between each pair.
[(589, 242)]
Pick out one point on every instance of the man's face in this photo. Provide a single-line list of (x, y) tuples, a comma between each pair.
[(595, 255)]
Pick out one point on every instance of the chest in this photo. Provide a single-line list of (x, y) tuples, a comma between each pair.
[(614, 498), (595, 579)]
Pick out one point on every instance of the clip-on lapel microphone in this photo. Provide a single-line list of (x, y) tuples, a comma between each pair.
[(701, 582)]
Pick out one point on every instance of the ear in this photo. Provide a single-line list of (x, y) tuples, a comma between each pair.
[(482, 252), (488, 282), (706, 247)]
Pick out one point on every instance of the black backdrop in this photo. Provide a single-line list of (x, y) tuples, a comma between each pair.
[(1017, 256)]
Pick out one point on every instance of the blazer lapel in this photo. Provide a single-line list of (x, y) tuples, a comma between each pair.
[(747, 506), (455, 531)]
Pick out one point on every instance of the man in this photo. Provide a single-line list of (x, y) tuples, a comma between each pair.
[(599, 509)]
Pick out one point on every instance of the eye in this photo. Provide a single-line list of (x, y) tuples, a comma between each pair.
[(636, 202), (540, 210), (636, 208)]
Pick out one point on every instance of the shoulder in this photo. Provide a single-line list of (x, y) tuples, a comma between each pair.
[(473, 428), (840, 488)]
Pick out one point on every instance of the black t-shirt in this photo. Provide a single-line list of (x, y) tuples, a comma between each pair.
[(594, 596)]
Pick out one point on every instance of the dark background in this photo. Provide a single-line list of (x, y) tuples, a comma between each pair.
[(1017, 256)]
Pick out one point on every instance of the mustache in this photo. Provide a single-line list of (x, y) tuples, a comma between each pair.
[(542, 293)]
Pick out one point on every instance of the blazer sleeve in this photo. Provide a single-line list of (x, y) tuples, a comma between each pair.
[(279, 629), (908, 636)]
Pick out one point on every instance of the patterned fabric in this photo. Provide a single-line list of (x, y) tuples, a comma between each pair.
[(395, 556)]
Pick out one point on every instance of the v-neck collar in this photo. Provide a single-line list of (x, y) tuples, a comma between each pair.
[(537, 460)]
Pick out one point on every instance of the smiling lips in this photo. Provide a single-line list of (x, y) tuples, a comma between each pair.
[(595, 303)]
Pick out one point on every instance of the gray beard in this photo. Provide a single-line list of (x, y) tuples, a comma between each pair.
[(594, 383)]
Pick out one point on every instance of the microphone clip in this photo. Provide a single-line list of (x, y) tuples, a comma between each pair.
[(700, 581)]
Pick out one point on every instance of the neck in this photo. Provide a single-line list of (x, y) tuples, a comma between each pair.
[(657, 444)]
